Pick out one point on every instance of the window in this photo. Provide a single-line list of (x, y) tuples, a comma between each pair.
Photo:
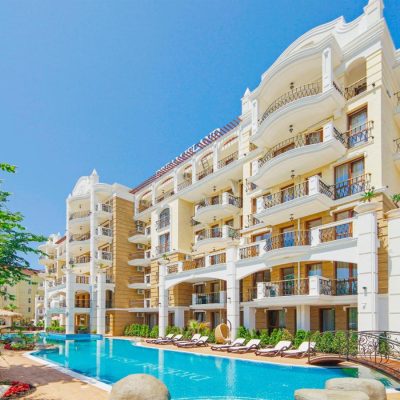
[(346, 278), (262, 276), (313, 223), (352, 318), (327, 319), (314, 269), (29, 300), (261, 236), (200, 316), (29, 309), (288, 237), (314, 137), (164, 242), (349, 179), (288, 285), (287, 193), (358, 127), (276, 319)]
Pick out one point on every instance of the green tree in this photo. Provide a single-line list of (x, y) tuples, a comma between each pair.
[(15, 242)]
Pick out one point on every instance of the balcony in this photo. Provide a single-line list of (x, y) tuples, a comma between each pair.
[(217, 207), (355, 88), (209, 300), (58, 283), (80, 264), (80, 241), (104, 235), (144, 205), (300, 107), (104, 257), (228, 159), (163, 223), (104, 208), (143, 305), (134, 282), (205, 172), (209, 239), (141, 233), (82, 303), (139, 258), (164, 195), (79, 216), (186, 265), (309, 197), (56, 306), (46, 259), (162, 249), (311, 290), (301, 153)]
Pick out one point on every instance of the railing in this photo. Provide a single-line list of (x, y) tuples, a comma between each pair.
[(79, 238), (355, 88), (250, 186), (80, 260), (136, 255), (336, 232), (82, 303), (290, 287), (103, 231), (216, 259), (351, 186), (104, 255), (396, 145), (205, 172), (338, 287), (295, 94), (290, 144), (186, 265), (79, 214), (252, 220), (57, 282), (163, 223), (225, 198), (165, 195), (162, 249), (377, 349), (288, 239), (144, 205), (139, 228), (228, 159), (57, 304), (215, 233), (285, 195), (184, 184), (39, 298), (109, 303), (52, 270), (110, 279), (83, 279), (104, 207), (250, 251), (209, 298), (359, 134)]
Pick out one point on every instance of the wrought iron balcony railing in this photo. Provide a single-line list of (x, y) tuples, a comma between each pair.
[(205, 172), (228, 159), (288, 239), (355, 88), (79, 214), (163, 223)]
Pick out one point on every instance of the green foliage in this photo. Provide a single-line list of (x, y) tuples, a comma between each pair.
[(368, 195), (15, 242), (243, 332), (325, 342), (339, 344), (300, 337), (264, 337), (396, 199), (173, 329), (154, 332)]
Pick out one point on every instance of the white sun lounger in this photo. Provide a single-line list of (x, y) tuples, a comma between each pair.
[(304, 348), (253, 344), (277, 349), (222, 347)]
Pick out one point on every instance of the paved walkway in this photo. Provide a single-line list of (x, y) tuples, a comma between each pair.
[(51, 384)]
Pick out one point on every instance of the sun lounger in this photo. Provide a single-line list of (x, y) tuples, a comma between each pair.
[(170, 341), (275, 350), (194, 338), (304, 349), (223, 347), (197, 343), (253, 344), (168, 337)]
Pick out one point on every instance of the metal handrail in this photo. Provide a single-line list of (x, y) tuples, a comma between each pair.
[(218, 200), (288, 239), (285, 195), (336, 232), (355, 88), (79, 238), (80, 260), (295, 94), (165, 195), (359, 134), (350, 186), (228, 159), (205, 172), (79, 214), (163, 223), (216, 259), (162, 248), (184, 184), (288, 287), (249, 251), (209, 298)]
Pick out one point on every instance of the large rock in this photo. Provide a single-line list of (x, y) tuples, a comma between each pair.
[(324, 394), (373, 388), (139, 387)]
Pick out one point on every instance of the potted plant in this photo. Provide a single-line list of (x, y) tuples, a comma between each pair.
[(396, 199), (368, 195)]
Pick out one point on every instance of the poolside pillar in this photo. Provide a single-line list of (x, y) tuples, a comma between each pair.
[(249, 317), (69, 302), (394, 269), (303, 317), (101, 303), (162, 299), (232, 290), (367, 269)]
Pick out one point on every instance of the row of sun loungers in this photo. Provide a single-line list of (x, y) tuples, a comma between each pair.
[(283, 348)]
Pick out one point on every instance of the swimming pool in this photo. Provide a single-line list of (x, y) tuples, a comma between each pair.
[(191, 376)]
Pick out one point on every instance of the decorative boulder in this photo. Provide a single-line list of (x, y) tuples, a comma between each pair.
[(139, 387), (373, 388), (324, 394)]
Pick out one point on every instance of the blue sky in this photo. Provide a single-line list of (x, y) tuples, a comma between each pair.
[(125, 86)]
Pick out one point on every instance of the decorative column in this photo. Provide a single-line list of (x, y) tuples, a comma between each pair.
[(179, 315), (328, 132), (47, 316), (327, 69), (232, 290), (367, 246), (254, 116), (215, 157), (394, 269), (70, 302), (303, 317), (162, 299), (101, 303), (249, 317), (93, 250)]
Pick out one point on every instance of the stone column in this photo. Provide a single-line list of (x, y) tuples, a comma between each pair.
[(303, 317), (254, 116), (232, 290), (101, 303), (46, 304), (70, 302), (93, 250), (367, 246), (162, 300), (179, 317), (394, 269), (215, 157), (327, 69)]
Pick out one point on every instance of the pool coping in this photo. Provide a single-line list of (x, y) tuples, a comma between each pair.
[(107, 387)]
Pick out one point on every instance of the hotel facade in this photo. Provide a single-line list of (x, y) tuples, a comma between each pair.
[(262, 222)]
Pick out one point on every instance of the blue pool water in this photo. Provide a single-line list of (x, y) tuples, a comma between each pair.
[(190, 376)]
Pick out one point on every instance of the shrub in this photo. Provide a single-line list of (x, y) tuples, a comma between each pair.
[(325, 344), (339, 343), (243, 333), (264, 338), (173, 329), (300, 337), (154, 332)]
